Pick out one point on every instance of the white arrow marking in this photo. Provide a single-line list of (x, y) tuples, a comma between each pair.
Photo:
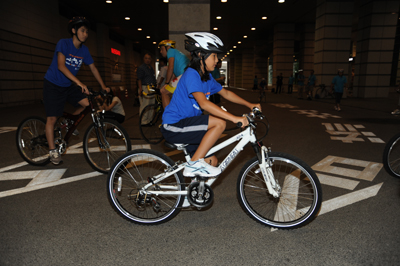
[(7, 129), (49, 184)]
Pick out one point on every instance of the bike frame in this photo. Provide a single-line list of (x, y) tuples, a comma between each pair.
[(243, 138)]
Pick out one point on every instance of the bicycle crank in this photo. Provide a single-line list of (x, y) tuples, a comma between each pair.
[(200, 194)]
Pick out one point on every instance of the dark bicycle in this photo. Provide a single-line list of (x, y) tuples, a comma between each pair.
[(105, 140)]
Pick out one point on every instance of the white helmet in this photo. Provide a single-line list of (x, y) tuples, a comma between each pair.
[(204, 41)]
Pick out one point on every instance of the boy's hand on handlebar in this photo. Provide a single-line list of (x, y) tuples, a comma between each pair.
[(256, 105), (84, 88), (242, 121)]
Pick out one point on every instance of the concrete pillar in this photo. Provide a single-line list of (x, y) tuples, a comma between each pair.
[(187, 16), (103, 63), (247, 68), (308, 48), (332, 38), (238, 71), (231, 69), (283, 50), (260, 61), (375, 43)]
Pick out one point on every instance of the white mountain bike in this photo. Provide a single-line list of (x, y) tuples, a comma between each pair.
[(276, 189)]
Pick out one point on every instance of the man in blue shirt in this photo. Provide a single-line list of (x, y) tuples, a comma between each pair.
[(338, 84), (60, 81), (177, 63), (300, 83)]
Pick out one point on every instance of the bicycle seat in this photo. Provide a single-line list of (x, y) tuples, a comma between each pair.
[(176, 146)]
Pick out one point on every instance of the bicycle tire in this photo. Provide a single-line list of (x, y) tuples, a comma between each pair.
[(31, 141), (150, 129), (289, 211), (117, 144), (129, 174), (391, 156)]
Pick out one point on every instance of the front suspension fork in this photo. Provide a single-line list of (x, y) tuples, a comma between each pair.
[(265, 166)]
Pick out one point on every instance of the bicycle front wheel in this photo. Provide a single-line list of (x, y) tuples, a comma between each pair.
[(31, 141), (150, 121), (103, 145), (391, 156), (300, 194), (128, 176)]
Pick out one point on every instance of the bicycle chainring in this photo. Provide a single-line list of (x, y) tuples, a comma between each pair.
[(200, 195)]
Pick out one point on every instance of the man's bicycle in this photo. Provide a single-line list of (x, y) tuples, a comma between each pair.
[(324, 92), (104, 141), (151, 118), (276, 189), (391, 156)]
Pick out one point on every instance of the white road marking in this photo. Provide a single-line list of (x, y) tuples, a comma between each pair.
[(337, 181), (48, 184), (371, 169), (7, 129), (376, 140), (352, 133)]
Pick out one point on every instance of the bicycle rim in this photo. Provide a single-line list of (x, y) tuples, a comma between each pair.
[(392, 156), (129, 174), (150, 121), (114, 141), (32, 142), (300, 197)]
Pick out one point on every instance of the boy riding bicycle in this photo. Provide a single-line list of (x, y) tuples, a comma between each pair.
[(58, 85), (183, 121)]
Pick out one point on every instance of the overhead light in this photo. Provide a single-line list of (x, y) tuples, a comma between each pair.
[(230, 50), (109, 2), (264, 18), (165, 1), (154, 42), (281, 1), (139, 29), (148, 37), (215, 28), (253, 28), (245, 36), (227, 53), (239, 42), (224, 1), (234, 46), (127, 18), (219, 17)]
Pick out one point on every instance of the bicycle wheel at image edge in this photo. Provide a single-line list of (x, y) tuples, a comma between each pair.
[(149, 124), (300, 197), (31, 141), (130, 173), (391, 156), (113, 143)]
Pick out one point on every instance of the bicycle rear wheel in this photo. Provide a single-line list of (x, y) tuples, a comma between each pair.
[(391, 156), (128, 176), (150, 121), (103, 145), (300, 196), (31, 141)]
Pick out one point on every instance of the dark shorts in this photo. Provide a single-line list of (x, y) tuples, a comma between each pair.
[(187, 131), (55, 97), (338, 96)]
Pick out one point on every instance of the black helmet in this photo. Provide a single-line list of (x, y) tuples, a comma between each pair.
[(76, 23), (204, 41)]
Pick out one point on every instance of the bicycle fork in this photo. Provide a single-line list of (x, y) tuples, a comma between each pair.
[(265, 166)]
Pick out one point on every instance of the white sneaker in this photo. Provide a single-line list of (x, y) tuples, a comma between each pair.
[(200, 168), (396, 112), (55, 157)]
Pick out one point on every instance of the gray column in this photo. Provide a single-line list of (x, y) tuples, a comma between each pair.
[(332, 38), (187, 16), (375, 43), (283, 50)]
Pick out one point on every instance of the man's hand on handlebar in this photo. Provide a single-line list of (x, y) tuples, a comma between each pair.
[(84, 88)]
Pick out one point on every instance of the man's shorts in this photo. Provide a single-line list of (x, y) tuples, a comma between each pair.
[(173, 84), (190, 131), (55, 97)]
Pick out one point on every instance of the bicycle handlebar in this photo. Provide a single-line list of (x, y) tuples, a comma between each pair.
[(255, 113)]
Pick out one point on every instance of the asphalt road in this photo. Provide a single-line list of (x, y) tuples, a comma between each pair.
[(67, 220)]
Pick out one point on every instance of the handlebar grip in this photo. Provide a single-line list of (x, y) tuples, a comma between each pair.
[(239, 124)]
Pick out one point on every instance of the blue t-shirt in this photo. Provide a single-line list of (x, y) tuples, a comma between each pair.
[(180, 62), (339, 82), (73, 61), (312, 79), (183, 104), (300, 80), (291, 80)]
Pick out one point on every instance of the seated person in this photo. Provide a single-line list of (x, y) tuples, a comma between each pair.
[(112, 106), (183, 121)]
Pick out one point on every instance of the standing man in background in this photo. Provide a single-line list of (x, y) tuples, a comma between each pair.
[(146, 76)]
